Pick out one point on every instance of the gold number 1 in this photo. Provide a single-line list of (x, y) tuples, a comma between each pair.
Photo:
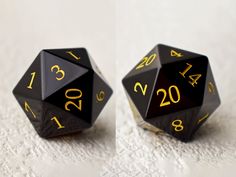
[(58, 123), (203, 118), (73, 55), (32, 80)]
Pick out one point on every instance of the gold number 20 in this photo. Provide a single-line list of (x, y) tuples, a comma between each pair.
[(79, 106), (165, 103), (146, 61)]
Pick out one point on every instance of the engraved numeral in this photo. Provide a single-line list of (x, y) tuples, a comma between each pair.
[(79, 105), (203, 118), (73, 55), (186, 70), (165, 103), (178, 125), (32, 80), (143, 89), (100, 96), (173, 53), (193, 78), (59, 71), (57, 122), (146, 61), (211, 88), (28, 109)]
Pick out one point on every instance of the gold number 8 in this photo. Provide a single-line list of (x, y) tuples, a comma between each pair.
[(178, 124)]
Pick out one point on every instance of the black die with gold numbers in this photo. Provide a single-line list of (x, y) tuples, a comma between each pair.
[(62, 92), (172, 90)]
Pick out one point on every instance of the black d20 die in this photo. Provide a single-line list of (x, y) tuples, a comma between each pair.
[(172, 90), (62, 92)]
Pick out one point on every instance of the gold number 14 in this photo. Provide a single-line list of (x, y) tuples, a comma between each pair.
[(193, 78)]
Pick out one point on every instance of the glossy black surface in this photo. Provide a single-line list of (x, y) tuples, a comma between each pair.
[(62, 92), (176, 93)]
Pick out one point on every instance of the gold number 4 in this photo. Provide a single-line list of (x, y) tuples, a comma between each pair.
[(178, 124), (165, 103), (58, 71), (79, 106), (146, 61), (173, 53), (27, 108), (193, 78), (143, 89), (57, 122), (32, 80)]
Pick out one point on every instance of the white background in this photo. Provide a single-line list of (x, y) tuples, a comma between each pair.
[(117, 34)]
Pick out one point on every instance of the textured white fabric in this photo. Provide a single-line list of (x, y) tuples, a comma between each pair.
[(117, 43)]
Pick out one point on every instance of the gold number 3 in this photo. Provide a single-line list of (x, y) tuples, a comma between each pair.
[(58, 71), (143, 89), (165, 103), (79, 106)]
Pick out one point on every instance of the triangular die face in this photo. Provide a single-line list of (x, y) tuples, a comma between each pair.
[(140, 88), (173, 92), (76, 97), (30, 84), (96, 69), (138, 118), (101, 94), (204, 114), (56, 73), (211, 95), (33, 110), (75, 55), (149, 62), (170, 54), (178, 124), (58, 122)]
